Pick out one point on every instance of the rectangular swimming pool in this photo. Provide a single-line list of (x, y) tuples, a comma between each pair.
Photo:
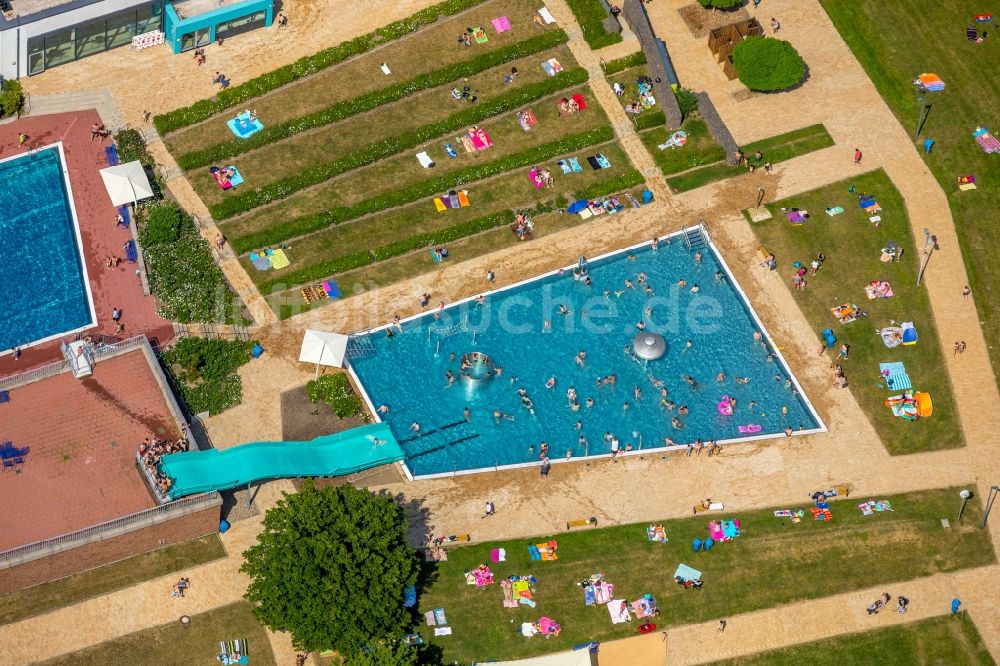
[(512, 359), (44, 291)]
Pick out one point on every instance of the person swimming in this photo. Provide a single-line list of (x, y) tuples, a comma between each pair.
[(550, 383), (589, 403), (676, 423), (742, 380), (571, 394), (683, 410), (721, 377)]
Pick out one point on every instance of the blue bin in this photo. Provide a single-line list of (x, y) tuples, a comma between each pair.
[(928, 145), (709, 542), (223, 526), (257, 350), (696, 544)]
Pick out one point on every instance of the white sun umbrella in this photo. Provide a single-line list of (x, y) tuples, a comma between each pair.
[(323, 348), (126, 183)]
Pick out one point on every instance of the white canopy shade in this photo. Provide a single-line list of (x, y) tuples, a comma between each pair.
[(126, 183), (323, 348)]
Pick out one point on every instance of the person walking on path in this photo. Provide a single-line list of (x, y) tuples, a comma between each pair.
[(966, 291), (722, 627), (490, 276), (857, 156), (116, 315), (775, 26), (490, 509)]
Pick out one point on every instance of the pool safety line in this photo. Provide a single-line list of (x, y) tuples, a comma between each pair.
[(442, 446), (666, 238)]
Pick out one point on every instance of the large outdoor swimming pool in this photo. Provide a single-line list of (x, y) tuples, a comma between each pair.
[(43, 283), (408, 371)]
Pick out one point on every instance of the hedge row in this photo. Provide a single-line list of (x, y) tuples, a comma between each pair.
[(619, 183), (265, 83), (394, 249), (590, 14), (279, 189), (620, 65), (338, 112), (310, 223)]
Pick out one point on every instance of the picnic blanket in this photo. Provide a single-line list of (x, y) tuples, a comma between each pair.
[(794, 516), (644, 606), (589, 595), (598, 161), (797, 216), (425, 160), (603, 592), (684, 572), (526, 119), (618, 610), (986, 141), (834, 210), (878, 289), (278, 259), (501, 24), (656, 533), (508, 593), (552, 67), (871, 506), (895, 376), (243, 127), (846, 313)]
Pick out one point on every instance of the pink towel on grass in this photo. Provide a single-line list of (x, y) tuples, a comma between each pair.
[(501, 24)]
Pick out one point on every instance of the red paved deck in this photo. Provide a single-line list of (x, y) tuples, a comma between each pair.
[(111, 288), (83, 435)]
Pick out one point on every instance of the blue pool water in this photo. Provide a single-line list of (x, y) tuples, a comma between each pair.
[(42, 288), (407, 372)]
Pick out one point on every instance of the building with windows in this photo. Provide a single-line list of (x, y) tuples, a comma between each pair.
[(36, 35)]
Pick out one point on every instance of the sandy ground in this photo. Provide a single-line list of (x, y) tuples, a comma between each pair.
[(748, 476)]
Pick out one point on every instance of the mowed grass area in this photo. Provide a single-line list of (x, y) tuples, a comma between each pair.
[(427, 50), (774, 150), (397, 269), (402, 170), (773, 562), (73, 589), (948, 640), (700, 149), (176, 645), (628, 78), (510, 190), (852, 246), (894, 45), (281, 159)]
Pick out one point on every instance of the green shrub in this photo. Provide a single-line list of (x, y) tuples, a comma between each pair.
[(11, 97), (768, 65), (338, 112), (265, 83), (650, 118), (720, 4), (336, 391), (590, 14), (131, 146), (686, 100), (620, 65), (188, 285), (235, 205), (309, 223), (204, 371)]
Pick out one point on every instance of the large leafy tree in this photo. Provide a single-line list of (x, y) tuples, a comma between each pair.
[(768, 65), (384, 654), (720, 4), (331, 566)]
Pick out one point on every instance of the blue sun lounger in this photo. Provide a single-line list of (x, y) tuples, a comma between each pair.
[(111, 155), (131, 254)]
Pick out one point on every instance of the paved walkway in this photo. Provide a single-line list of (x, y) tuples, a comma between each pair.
[(745, 477)]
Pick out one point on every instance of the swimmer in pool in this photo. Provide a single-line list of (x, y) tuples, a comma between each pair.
[(629, 285), (697, 258), (695, 288), (612, 379), (625, 406), (752, 406), (688, 345), (415, 427), (550, 383), (682, 410), (450, 377), (547, 325), (757, 337), (618, 294), (784, 410), (691, 381), (742, 380), (669, 405), (640, 326), (574, 406), (467, 413), (383, 409), (579, 425), (607, 293), (721, 377), (770, 358), (571, 394), (676, 423), (649, 290), (451, 357), (719, 277), (654, 244), (498, 370), (580, 358), (589, 403), (563, 310), (682, 283), (641, 278), (637, 392)]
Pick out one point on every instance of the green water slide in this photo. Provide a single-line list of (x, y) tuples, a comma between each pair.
[(331, 455)]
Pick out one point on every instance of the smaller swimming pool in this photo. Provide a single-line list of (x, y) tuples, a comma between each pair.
[(44, 291)]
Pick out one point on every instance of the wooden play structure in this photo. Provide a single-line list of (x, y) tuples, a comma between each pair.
[(724, 39)]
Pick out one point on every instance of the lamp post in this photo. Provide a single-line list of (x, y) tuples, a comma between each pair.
[(994, 491), (965, 495), (920, 115), (930, 244)]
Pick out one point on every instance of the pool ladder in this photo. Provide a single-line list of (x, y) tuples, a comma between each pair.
[(694, 237)]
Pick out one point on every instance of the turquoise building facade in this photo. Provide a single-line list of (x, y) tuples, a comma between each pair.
[(184, 33)]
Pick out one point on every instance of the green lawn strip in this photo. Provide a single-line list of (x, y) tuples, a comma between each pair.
[(700, 149), (520, 55), (590, 15), (15, 606), (774, 149), (340, 140), (946, 640), (403, 169), (343, 199), (427, 48), (238, 203), (289, 303), (318, 255), (893, 53), (774, 562), (178, 645), (405, 53), (615, 66), (852, 246), (651, 117)]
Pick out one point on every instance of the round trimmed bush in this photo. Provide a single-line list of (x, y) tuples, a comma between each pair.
[(768, 65), (720, 4)]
